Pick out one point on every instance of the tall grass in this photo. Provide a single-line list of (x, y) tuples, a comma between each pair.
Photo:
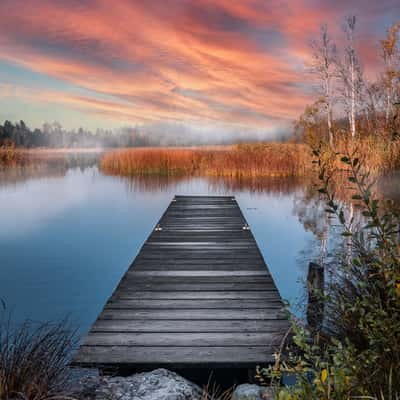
[(34, 359), (152, 161), (379, 154), (9, 155), (260, 160), (241, 161)]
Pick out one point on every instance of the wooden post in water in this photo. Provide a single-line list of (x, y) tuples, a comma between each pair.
[(315, 287)]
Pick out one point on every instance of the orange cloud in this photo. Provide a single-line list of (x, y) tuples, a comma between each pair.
[(205, 61)]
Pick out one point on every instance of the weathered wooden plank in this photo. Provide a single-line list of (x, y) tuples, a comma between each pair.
[(201, 287), (197, 267), (132, 276), (204, 220), (202, 264), (203, 197), (210, 243), (175, 356), (233, 236), (199, 239), (181, 339), (195, 274), (174, 247), (206, 256), (203, 314), (220, 235), (226, 304), (201, 261), (160, 326), (194, 295)]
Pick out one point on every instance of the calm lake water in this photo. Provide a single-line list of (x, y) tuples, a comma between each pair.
[(68, 233)]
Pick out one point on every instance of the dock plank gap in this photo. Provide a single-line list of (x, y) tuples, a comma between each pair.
[(198, 295)]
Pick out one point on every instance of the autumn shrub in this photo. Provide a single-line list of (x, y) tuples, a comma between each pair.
[(357, 354)]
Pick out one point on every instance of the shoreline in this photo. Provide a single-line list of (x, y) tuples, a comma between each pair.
[(64, 150)]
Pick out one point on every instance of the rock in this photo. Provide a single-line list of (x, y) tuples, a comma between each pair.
[(81, 380), (268, 393), (159, 384), (252, 392)]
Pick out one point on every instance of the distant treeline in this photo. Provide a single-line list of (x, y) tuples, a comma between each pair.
[(54, 135)]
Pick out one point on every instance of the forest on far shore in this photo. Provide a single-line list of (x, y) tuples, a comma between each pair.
[(55, 136)]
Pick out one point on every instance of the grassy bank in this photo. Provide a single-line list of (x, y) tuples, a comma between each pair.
[(11, 156), (240, 161), (243, 161)]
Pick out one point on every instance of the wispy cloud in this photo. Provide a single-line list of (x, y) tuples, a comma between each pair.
[(194, 61)]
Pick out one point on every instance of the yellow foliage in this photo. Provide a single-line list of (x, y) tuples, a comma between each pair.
[(324, 375)]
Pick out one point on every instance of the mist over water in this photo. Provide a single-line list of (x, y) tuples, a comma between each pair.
[(68, 232)]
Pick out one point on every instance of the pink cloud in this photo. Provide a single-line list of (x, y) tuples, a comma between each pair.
[(203, 60)]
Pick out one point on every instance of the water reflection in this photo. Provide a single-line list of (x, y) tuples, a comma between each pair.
[(221, 185), (389, 186), (271, 184), (46, 165)]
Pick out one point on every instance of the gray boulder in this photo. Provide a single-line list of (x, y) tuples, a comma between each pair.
[(252, 392), (159, 384)]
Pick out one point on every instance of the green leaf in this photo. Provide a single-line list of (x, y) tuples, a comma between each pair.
[(341, 217), (345, 160)]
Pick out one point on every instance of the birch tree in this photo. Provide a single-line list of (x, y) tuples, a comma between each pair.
[(351, 74), (391, 58), (324, 56)]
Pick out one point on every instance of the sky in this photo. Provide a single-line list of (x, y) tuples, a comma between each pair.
[(211, 67)]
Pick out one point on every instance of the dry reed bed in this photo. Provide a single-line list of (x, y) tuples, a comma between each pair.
[(240, 161), (378, 154)]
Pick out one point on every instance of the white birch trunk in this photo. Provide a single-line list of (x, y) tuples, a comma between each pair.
[(353, 94)]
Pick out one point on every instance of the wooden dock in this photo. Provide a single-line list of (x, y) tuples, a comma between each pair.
[(198, 294)]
